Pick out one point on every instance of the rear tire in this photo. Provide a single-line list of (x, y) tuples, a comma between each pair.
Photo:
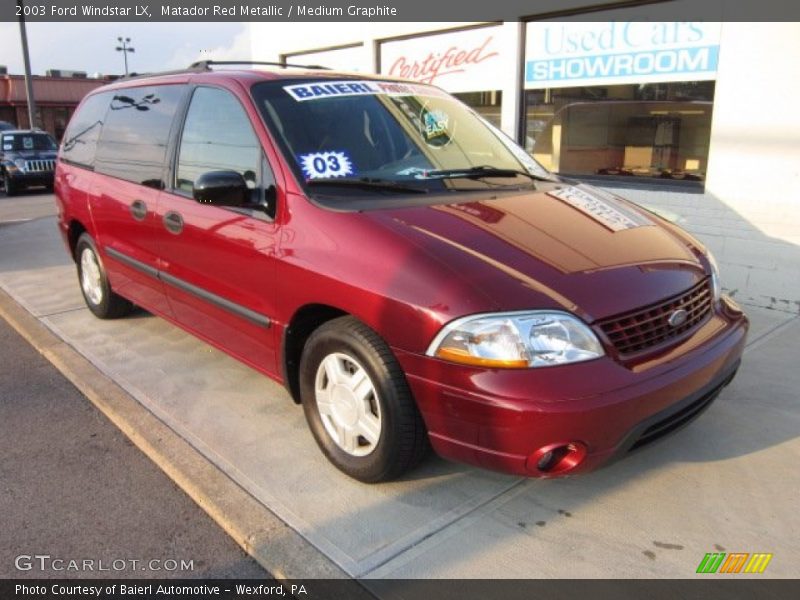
[(358, 404), (96, 290)]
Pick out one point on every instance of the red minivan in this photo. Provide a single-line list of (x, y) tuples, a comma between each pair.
[(410, 274)]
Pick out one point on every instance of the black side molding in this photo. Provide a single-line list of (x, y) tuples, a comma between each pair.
[(185, 286), (132, 262), (218, 301)]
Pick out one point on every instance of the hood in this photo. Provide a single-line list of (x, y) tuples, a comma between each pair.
[(571, 247)]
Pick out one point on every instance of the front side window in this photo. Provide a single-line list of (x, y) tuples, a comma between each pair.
[(134, 139), (412, 135), (217, 136)]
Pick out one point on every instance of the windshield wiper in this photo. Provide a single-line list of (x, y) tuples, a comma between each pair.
[(368, 183), (478, 172)]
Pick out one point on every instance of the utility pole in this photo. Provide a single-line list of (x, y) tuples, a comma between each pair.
[(124, 48), (26, 59)]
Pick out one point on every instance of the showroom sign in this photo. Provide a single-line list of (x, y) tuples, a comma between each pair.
[(461, 61), (578, 54)]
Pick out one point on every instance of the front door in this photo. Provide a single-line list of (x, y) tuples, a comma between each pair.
[(218, 264)]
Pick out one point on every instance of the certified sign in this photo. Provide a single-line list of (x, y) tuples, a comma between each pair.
[(460, 61)]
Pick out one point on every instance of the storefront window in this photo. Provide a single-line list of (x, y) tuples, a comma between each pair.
[(486, 104), (655, 131)]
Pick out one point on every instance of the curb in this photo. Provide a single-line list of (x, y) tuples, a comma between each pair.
[(278, 548)]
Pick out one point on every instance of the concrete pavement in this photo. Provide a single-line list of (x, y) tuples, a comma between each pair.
[(723, 484), (73, 487)]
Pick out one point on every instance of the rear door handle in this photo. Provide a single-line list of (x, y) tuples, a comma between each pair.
[(138, 210), (173, 221)]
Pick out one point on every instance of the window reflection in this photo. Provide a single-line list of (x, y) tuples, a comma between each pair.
[(217, 136), (134, 139)]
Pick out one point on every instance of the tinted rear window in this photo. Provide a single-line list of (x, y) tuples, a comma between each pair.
[(80, 139), (134, 140)]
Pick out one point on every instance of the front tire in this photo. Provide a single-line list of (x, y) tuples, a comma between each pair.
[(96, 290), (9, 187), (357, 403)]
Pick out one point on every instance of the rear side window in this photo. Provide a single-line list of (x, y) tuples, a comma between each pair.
[(134, 140), (80, 139)]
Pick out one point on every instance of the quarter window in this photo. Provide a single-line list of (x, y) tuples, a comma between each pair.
[(80, 139)]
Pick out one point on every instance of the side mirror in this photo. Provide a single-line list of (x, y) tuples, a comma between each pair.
[(221, 188)]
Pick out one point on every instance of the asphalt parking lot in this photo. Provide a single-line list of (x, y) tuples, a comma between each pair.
[(727, 483), (74, 488)]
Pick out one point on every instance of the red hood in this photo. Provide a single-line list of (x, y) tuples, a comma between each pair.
[(533, 250)]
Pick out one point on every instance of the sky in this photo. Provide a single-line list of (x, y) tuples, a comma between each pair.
[(90, 47)]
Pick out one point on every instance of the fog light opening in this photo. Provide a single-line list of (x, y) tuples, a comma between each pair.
[(557, 459)]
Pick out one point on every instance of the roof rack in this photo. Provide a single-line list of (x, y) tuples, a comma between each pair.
[(195, 67), (204, 64)]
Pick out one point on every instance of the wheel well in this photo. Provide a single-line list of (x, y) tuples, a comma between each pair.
[(302, 325), (76, 229)]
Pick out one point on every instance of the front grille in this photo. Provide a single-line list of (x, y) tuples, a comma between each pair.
[(680, 418), (649, 327), (40, 165)]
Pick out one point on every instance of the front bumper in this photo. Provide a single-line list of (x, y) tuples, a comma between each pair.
[(37, 178), (498, 419)]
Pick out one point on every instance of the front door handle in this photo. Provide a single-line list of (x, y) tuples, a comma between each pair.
[(173, 221), (138, 210)]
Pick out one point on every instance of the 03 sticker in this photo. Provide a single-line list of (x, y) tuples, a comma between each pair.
[(319, 165)]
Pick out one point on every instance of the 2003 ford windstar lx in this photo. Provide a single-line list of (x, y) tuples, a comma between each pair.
[(410, 274)]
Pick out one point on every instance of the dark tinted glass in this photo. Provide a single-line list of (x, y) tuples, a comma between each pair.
[(80, 139), (217, 136), (22, 142), (135, 135)]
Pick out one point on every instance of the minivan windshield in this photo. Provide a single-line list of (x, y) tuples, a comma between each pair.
[(24, 142), (390, 136)]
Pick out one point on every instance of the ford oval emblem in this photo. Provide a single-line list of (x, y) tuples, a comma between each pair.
[(678, 318)]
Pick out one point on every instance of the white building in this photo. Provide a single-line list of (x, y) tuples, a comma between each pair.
[(696, 120)]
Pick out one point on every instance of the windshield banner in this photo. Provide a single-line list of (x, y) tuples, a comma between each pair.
[(315, 90)]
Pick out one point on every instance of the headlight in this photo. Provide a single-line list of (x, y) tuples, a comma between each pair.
[(716, 289), (516, 340), (20, 164)]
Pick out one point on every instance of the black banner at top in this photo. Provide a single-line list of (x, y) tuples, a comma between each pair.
[(395, 10)]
